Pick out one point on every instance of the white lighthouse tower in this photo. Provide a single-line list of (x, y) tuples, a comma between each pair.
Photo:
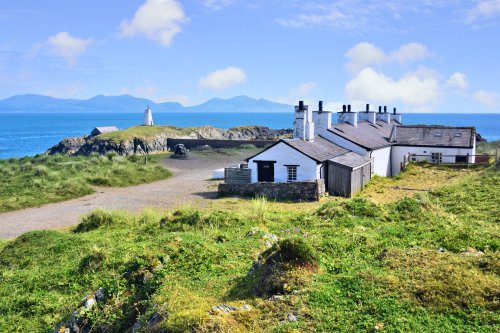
[(148, 117)]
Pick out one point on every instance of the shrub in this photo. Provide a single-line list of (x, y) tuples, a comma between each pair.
[(357, 207), (94, 220), (41, 170), (284, 267)]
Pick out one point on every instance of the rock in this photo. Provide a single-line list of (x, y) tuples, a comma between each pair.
[(155, 319), (473, 252), (100, 295), (223, 308), (442, 250), (270, 239), (291, 317), (246, 307), (68, 146), (276, 298), (90, 303), (252, 232)]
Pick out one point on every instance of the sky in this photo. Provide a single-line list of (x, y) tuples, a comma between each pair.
[(419, 56)]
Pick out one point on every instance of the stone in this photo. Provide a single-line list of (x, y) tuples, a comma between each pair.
[(100, 294), (155, 319), (252, 232), (90, 303), (246, 307), (276, 298), (223, 308), (291, 317)]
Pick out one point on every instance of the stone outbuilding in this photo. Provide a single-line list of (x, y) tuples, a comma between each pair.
[(103, 129)]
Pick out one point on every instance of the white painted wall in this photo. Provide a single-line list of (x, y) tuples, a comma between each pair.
[(283, 154), (398, 153), (382, 162)]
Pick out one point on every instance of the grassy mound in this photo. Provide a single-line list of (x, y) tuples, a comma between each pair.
[(426, 263), (35, 181)]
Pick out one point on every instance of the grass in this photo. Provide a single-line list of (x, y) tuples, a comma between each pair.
[(488, 147), (145, 132), (35, 181), (427, 263)]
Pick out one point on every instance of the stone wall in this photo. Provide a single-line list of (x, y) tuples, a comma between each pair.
[(300, 191), (196, 143)]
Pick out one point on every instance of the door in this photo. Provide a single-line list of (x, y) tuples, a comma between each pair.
[(265, 171)]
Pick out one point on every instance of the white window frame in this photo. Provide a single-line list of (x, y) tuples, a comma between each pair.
[(291, 173)]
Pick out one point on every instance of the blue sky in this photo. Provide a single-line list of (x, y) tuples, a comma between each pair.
[(421, 56)]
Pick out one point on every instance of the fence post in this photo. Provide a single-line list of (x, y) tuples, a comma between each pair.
[(496, 155)]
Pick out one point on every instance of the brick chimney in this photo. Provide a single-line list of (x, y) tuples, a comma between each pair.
[(396, 116), (347, 117), (303, 126), (322, 119), (367, 115), (385, 117)]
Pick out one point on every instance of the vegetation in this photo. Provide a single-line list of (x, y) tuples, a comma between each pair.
[(426, 263), (145, 132), (34, 181), (488, 147)]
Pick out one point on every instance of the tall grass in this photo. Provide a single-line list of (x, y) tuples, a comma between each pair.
[(34, 181)]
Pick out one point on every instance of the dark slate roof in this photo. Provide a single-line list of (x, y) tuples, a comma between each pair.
[(367, 135), (429, 136), (319, 150), (351, 160)]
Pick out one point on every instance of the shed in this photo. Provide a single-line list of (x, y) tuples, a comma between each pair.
[(348, 174), (103, 129)]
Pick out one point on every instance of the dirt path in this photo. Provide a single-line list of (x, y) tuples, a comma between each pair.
[(190, 183)]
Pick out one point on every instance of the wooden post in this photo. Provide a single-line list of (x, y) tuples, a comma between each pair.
[(467, 160)]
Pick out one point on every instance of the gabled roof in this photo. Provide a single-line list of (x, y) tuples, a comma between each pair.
[(320, 150), (351, 160), (104, 129), (366, 135), (431, 135)]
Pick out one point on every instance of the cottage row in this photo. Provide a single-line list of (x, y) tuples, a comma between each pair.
[(346, 154)]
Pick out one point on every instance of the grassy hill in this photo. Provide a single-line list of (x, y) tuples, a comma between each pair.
[(426, 263), (34, 181)]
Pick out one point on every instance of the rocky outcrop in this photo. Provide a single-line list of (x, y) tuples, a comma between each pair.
[(139, 145)]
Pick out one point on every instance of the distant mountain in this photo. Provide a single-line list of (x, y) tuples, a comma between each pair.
[(129, 104)]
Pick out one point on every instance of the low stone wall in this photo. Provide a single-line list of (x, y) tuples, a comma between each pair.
[(300, 191), (196, 143)]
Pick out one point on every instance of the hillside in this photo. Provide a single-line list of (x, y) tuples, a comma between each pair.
[(131, 104), (153, 139), (423, 264)]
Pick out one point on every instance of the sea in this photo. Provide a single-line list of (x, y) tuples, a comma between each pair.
[(27, 134)]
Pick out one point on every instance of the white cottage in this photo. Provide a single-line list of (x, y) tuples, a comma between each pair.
[(347, 153)]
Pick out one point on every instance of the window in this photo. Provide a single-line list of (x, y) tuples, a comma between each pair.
[(458, 135), (292, 173), (413, 157), (436, 157)]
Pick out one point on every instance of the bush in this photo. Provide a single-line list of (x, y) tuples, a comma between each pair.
[(284, 267), (94, 220), (357, 207)]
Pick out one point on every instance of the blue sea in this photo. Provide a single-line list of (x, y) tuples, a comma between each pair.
[(25, 134)]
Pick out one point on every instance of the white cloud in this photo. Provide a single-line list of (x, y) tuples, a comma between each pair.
[(68, 47), (366, 54), (217, 4), (158, 20), (416, 88), (354, 15), (223, 78), (487, 98), (484, 10), (303, 89), (457, 81)]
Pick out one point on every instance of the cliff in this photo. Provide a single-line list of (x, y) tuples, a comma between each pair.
[(142, 139)]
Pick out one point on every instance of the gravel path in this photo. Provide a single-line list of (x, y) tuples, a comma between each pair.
[(190, 183)]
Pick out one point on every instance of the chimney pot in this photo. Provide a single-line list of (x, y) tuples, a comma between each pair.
[(394, 110), (343, 108), (301, 105), (379, 109), (385, 109), (320, 106), (367, 107), (349, 108)]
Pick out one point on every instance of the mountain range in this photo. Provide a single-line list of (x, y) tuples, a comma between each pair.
[(129, 104)]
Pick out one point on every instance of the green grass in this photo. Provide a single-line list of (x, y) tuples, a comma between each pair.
[(34, 181), (488, 147), (144, 132), (429, 263)]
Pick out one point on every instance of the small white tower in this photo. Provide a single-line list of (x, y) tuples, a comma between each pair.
[(148, 117)]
